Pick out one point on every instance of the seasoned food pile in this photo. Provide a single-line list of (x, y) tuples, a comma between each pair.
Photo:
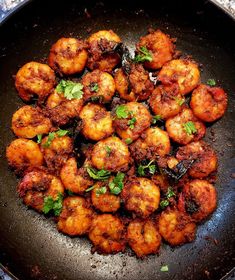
[(112, 147)]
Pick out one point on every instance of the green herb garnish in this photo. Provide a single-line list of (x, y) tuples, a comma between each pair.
[(131, 123), (89, 189), (51, 136), (39, 138), (211, 82), (94, 87), (190, 128), (71, 90), (128, 141), (179, 101), (151, 167), (98, 174), (116, 185), (144, 55), (121, 112), (164, 204), (101, 190), (54, 205), (108, 150), (164, 268), (61, 132), (156, 118), (170, 193)]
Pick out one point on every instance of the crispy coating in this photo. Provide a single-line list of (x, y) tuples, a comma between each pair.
[(57, 153), (76, 216), (101, 48), (142, 118), (106, 202), (141, 196), (54, 99), (160, 46), (123, 85), (36, 185), (23, 153), (183, 72), (176, 227), (74, 179), (107, 234), (97, 122), (208, 103), (153, 142), (175, 127), (111, 154), (199, 199), (166, 101), (34, 79), (27, 122), (143, 237), (205, 158), (68, 56), (98, 84)]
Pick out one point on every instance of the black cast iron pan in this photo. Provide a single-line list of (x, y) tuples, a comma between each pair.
[(30, 245)]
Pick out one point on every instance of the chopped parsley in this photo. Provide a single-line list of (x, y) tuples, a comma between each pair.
[(94, 87), (39, 138), (101, 190), (190, 128), (151, 168), (116, 185), (108, 150), (121, 112), (71, 90), (170, 193), (156, 118), (179, 101), (132, 122), (128, 141), (164, 203), (54, 205), (89, 189), (211, 82), (164, 268), (51, 136), (62, 132), (98, 174), (143, 55)]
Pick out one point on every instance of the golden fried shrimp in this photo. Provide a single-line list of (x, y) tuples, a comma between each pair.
[(107, 233), (131, 120), (205, 158), (34, 79), (208, 103), (198, 199), (176, 227), (27, 122), (76, 216), (57, 153), (152, 143), (68, 56), (160, 46), (23, 153), (97, 122), (111, 154), (185, 127), (98, 85), (101, 48), (166, 101), (105, 202), (54, 99), (143, 237), (74, 179), (183, 72), (123, 86), (37, 185), (141, 196)]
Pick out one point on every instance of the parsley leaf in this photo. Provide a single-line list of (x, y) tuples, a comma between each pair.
[(179, 101), (128, 141), (98, 174), (144, 55), (156, 118), (39, 138), (89, 189), (101, 190), (117, 185), (164, 203), (108, 150), (189, 127), (211, 82), (151, 167), (170, 193), (70, 89), (164, 268), (132, 122), (50, 138), (121, 112), (62, 132), (94, 87), (54, 205)]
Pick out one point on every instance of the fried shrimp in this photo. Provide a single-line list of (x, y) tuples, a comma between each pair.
[(101, 48), (76, 216), (152, 143), (123, 86), (111, 154), (34, 79), (107, 234), (183, 72), (98, 85), (205, 159), (54, 99), (131, 120), (23, 153), (166, 101), (160, 46), (105, 202), (198, 199), (74, 179), (37, 185), (57, 153), (176, 227), (68, 56), (185, 127), (143, 237), (208, 103), (141, 196), (27, 122)]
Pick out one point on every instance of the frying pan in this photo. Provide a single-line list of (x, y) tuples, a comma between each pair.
[(30, 245)]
